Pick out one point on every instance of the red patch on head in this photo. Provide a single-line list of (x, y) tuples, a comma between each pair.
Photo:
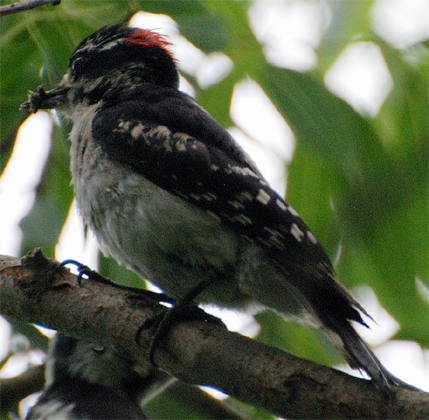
[(147, 38)]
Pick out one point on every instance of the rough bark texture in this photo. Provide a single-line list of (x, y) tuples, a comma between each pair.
[(36, 289)]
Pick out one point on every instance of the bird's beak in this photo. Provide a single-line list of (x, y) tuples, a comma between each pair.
[(46, 100)]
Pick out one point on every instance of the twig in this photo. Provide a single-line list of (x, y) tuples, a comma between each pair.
[(21, 6)]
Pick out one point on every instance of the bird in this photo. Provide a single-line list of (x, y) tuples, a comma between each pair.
[(170, 194), (84, 381)]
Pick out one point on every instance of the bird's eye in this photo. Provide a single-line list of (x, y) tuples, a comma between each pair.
[(77, 65)]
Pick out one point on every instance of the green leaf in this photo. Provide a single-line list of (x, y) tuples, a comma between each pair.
[(349, 21), (322, 122)]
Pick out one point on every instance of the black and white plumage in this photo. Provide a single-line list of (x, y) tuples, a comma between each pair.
[(170, 194), (83, 382)]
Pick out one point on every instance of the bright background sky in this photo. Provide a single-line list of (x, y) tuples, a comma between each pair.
[(289, 31)]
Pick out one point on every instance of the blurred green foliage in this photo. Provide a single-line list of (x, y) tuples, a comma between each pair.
[(357, 181)]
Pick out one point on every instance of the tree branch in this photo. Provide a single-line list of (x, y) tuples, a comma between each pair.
[(39, 290), (22, 6)]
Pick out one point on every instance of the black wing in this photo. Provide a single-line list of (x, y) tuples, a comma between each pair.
[(169, 139)]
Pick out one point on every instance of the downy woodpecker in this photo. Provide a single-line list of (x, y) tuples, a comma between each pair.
[(170, 194)]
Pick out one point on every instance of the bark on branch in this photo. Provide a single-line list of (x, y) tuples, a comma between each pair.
[(38, 290), (22, 6)]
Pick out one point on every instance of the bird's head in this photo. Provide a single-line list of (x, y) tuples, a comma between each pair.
[(112, 59)]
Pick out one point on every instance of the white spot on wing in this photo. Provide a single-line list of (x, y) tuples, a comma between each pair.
[(124, 125), (311, 237), (296, 232), (241, 218), (245, 196), (181, 141), (263, 197), (180, 147), (276, 238), (137, 131), (292, 211), (159, 132), (236, 204), (209, 196), (244, 171), (281, 204), (244, 220)]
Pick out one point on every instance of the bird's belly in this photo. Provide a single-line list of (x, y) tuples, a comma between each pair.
[(162, 237)]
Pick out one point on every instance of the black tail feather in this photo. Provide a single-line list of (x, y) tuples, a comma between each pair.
[(360, 356)]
